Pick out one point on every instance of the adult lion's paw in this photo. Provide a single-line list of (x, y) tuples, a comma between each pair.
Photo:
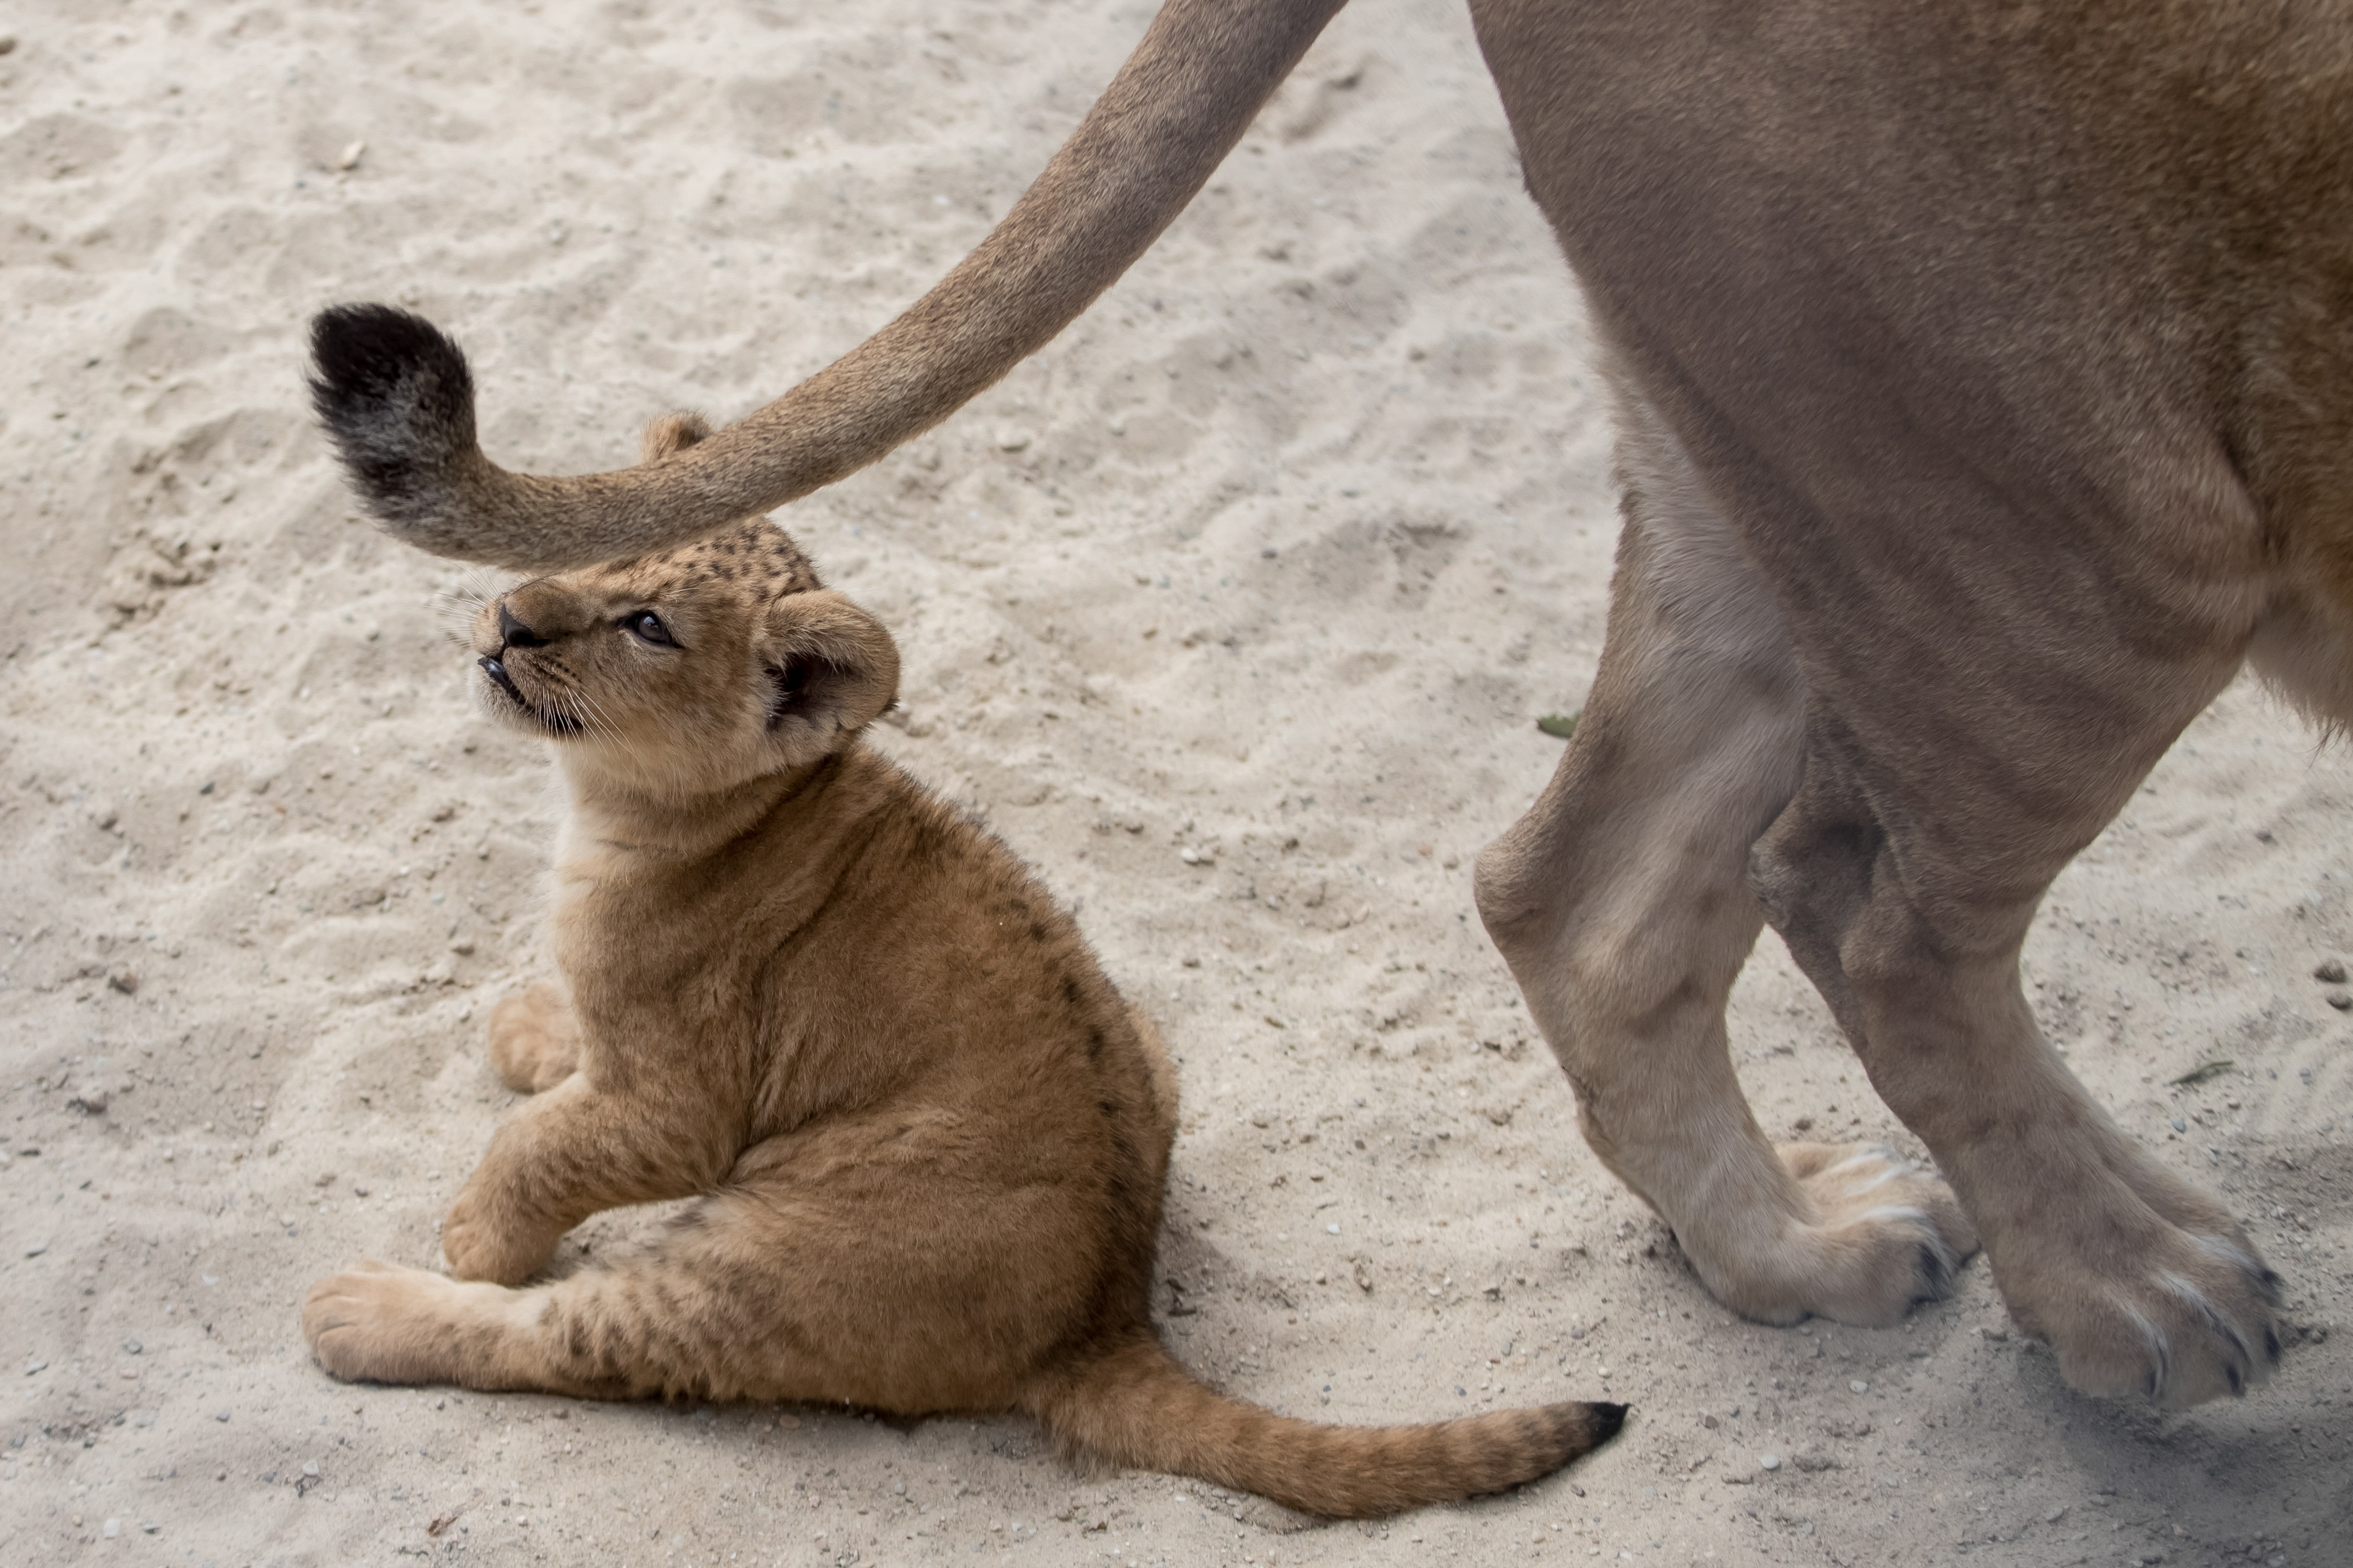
[(383, 1324), (2134, 1301), (1878, 1234), (1890, 1235)]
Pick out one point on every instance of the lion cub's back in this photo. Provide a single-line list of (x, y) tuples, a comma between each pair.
[(973, 989)]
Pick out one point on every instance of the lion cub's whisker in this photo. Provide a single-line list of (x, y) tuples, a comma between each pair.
[(454, 614)]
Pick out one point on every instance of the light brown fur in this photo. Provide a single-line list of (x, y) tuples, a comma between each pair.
[(1986, 382), (928, 1137)]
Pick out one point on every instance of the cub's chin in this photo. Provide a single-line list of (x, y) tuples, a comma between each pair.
[(504, 702)]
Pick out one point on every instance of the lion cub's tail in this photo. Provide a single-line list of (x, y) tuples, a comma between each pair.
[(395, 396), (1130, 1403)]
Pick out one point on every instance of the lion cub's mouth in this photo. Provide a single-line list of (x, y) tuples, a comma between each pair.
[(554, 721)]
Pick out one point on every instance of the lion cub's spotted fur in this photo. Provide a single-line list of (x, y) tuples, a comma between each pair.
[(928, 1135)]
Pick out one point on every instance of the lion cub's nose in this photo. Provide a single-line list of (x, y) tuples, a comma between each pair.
[(514, 633)]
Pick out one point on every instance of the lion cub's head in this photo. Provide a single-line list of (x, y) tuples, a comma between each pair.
[(689, 671)]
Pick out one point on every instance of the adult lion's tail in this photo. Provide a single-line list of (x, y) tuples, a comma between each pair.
[(1132, 1404), (396, 394)]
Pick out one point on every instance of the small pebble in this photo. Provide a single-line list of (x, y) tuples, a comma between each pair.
[(350, 157), (2331, 970), (2340, 1000), (1769, 1462), (310, 1467), (132, 1347), (7, 44), (33, 1366), (220, 1414), (1859, 1387), (37, 1248), (111, 1528)]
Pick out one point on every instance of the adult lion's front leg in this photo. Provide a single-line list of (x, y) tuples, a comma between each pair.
[(1621, 903), (1909, 913), (1971, 727)]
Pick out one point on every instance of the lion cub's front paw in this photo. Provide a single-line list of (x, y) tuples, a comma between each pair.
[(534, 1040), (482, 1242), (382, 1324)]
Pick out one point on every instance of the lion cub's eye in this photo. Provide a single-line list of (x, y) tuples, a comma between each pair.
[(650, 628)]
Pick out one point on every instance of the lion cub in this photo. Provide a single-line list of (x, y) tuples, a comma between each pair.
[(928, 1135)]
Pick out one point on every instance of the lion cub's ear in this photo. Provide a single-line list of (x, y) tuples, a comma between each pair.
[(830, 671), (672, 433)]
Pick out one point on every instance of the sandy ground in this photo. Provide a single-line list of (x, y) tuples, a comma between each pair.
[(1232, 611)]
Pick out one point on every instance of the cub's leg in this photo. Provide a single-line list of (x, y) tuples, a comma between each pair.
[(576, 1151), (1621, 902), (820, 1272), (534, 1040)]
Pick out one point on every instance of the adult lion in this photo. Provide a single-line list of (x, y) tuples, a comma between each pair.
[(1984, 375)]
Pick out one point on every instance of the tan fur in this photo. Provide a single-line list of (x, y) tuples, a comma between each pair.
[(1986, 374), (927, 1136)]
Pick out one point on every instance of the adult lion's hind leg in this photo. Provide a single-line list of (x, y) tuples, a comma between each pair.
[(534, 1038), (1621, 902)]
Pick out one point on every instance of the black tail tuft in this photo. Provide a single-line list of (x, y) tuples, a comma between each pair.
[(397, 398), (1604, 1420)]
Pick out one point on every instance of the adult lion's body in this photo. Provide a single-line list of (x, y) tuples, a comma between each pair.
[(1986, 374)]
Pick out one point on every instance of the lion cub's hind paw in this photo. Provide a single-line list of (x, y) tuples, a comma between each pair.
[(535, 1040), (379, 1323)]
